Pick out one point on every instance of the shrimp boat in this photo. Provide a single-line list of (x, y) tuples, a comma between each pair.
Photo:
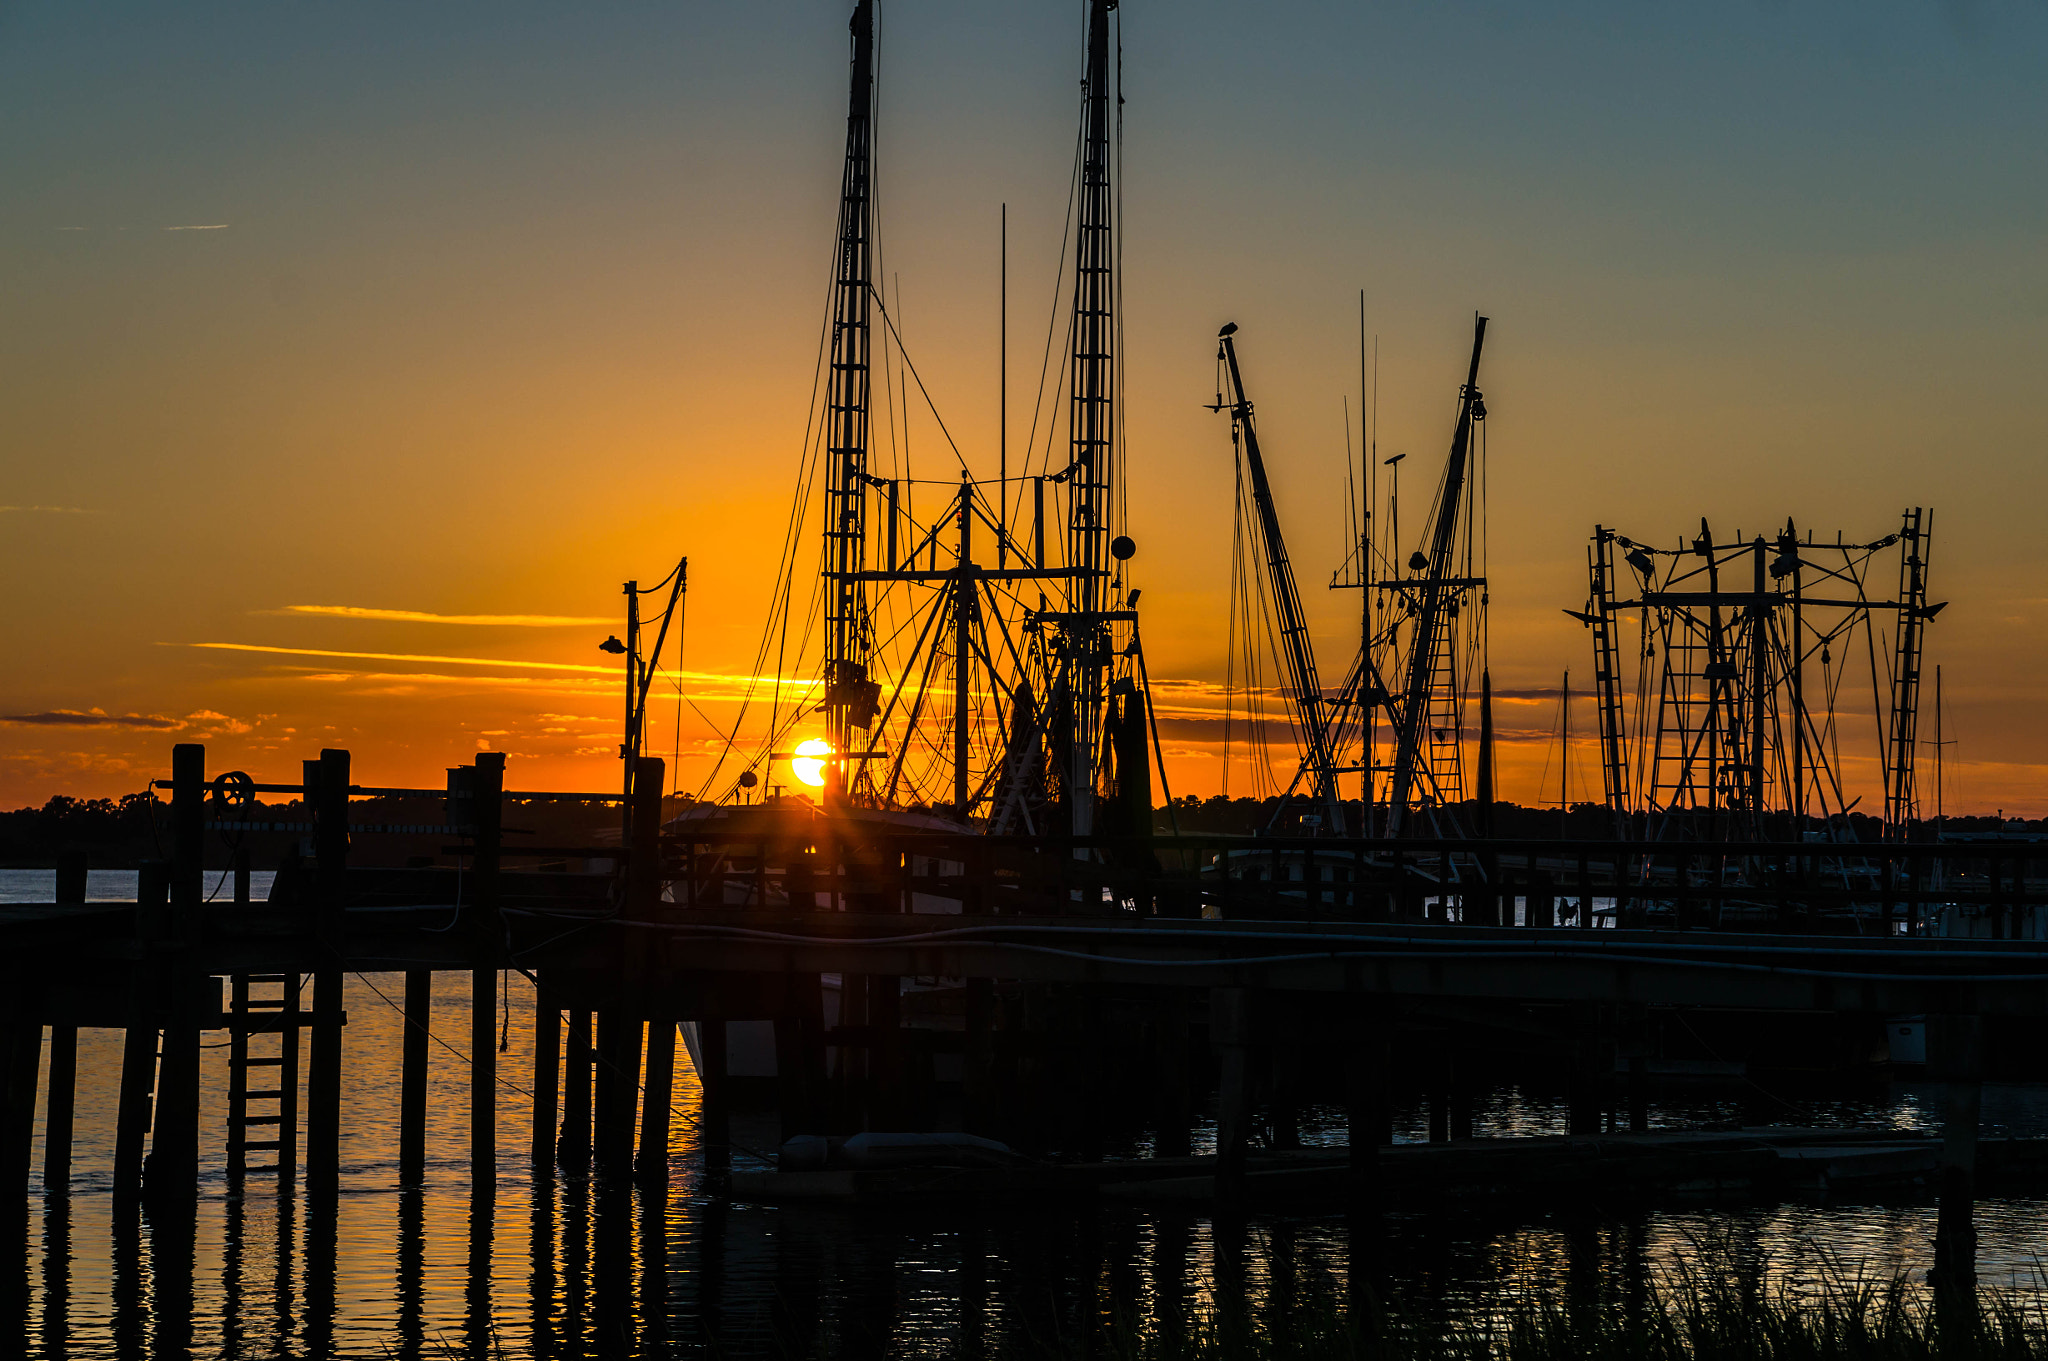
[(971, 662)]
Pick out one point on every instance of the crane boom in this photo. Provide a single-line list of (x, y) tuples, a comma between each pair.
[(1430, 613), (1294, 640)]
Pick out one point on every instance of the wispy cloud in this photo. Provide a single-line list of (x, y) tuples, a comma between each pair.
[(200, 227), (95, 718), (44, 510), (528, 621), (406, 657)]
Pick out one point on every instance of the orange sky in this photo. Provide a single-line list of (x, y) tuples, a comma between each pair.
[(442, 319)]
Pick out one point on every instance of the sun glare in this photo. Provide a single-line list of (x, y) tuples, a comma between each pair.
[(808, 764)]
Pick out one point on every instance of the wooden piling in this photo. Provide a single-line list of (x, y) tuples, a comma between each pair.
[(1174, 1087), (1592, 1071), (138, 1083), (657, 1093), (71, 876), (714, 1123), (799, 1057), (1957, 1053), (483, 1077), (63, 1080), (171, 1176), (487, 936), (978, 1066), (618, 1089), (328, 781), (1367, 1047), (58, 1117), (22, 1058), (412, 1077), (547, 1079), (887, 1104), (574, 1146), (172, 1172), (1230, 1033)]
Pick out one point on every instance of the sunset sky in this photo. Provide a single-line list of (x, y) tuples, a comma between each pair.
[(354, 354)]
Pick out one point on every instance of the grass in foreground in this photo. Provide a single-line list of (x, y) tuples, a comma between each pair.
[(1698, 1317)]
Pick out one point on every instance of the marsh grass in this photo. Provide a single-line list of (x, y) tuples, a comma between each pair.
[(1694, 1313)]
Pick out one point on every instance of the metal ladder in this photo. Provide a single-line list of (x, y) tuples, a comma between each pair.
[(252, 1111), (1444, 714), (1607, 672)]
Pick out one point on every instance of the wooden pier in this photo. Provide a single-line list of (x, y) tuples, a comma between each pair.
[(1076, 976)]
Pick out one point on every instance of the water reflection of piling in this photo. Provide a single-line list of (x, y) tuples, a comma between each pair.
[(412, 1265), (573, 1149), (129, 1318), (541, 1277), (653, 1243), (56, 1320), (477, 1336)]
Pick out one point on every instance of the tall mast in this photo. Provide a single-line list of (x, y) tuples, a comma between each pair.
[(1092, 420), (849, 695), (1300, 655), (1436, 594)]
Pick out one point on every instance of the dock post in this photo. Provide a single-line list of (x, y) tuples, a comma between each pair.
[(1592, 1069), (1367, 1050), (887, 1108), (63, 1080), (488, 949), (1459, 1076), (574, 1146), (714, 1120), (547, 1079), (1230, 1033), (799, 1050), (412, 1077), (23, 1059), (655, 1100), (980, 1066), (71, 872), (138, 1083), (57, 1118), (172, 1172), (1174, 1138), (618, 1084), (327, 795), (1957, 1048), (138, 1051)]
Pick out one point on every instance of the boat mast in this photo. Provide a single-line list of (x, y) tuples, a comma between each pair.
[(1318, 760), (850, 697), (1431, 613), (1092, 417)]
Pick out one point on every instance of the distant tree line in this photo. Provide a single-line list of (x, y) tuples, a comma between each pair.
[(119, 833), (1220, 816)]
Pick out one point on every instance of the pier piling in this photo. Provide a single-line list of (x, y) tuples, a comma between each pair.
[(57, 1117), (138, 1085), (618, 1087), (1230, 1033), (574, 1146), (659, 1084), (71, 876), (487, 935), (412, 1077), (1957, 1050), (327, 783), (547, 1078)]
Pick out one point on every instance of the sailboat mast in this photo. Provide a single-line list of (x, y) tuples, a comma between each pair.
[(849, 702), (1092, 419)]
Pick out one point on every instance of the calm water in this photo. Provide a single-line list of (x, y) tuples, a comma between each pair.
[(564, 1267)]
